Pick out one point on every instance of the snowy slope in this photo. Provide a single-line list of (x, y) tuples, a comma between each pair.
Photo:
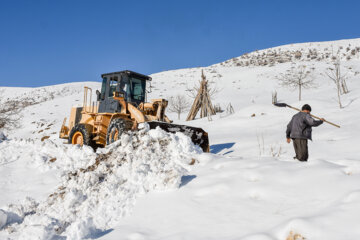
[(248, 187), (47, 107)]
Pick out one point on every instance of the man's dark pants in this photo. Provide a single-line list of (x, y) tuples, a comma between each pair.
[(301, 149)]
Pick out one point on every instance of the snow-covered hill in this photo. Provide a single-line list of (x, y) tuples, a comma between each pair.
[(304, 52), (248, 187)]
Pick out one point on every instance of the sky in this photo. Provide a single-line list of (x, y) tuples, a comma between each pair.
[(47, 42)]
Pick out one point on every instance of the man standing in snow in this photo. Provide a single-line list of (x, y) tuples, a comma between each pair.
[(299, 130)]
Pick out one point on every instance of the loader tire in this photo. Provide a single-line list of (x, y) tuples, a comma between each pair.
[(115, 130), (79, 134)]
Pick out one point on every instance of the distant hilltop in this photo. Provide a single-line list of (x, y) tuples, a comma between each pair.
[(311, 51)]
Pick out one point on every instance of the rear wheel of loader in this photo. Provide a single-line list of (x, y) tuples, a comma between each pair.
[(115, 129), (79, 135)]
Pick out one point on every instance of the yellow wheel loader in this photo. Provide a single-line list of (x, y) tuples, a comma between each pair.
[(121, 105)]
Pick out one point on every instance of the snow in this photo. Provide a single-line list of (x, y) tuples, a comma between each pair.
[(248, 187), (99, 189)]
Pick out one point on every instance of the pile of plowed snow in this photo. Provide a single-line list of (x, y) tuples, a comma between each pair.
[(46, 155), (100, 188)]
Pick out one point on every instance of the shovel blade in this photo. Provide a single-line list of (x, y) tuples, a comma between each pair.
[(280, 104)]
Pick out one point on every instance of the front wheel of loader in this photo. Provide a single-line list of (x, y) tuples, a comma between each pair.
[(79, 135), (115, 129)]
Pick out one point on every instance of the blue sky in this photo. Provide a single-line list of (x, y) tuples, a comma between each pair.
[(51, 42)]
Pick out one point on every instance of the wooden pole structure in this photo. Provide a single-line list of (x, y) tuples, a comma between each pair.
[(202, 101)]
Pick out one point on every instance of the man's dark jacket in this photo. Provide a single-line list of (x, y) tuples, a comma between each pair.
[(300, 126)]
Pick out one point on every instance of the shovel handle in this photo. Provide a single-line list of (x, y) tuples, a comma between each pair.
[(335, 125)]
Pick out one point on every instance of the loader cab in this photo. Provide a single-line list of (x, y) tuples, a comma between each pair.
[(130, 85)]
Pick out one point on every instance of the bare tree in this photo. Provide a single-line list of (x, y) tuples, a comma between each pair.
[(297, 77), (342, 78), (179, 104), (9, 113), (274, 97), (335, 75)]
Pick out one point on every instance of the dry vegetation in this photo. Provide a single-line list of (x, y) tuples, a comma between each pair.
[(9, 113), (178, 104)]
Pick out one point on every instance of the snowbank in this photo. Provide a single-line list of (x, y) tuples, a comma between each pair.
[(46, 155), (92, 199)]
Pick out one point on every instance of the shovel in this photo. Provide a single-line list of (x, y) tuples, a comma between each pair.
[(285, 105)]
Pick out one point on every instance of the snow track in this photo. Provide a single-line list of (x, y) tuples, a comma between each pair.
[(97, 189)]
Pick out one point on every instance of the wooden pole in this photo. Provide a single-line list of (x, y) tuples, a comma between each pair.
[(335, 125)]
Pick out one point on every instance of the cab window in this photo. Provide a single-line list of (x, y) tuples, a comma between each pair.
[(112, 86), (137, 90)]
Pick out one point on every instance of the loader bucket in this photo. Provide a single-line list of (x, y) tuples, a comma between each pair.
[(198, 135)]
